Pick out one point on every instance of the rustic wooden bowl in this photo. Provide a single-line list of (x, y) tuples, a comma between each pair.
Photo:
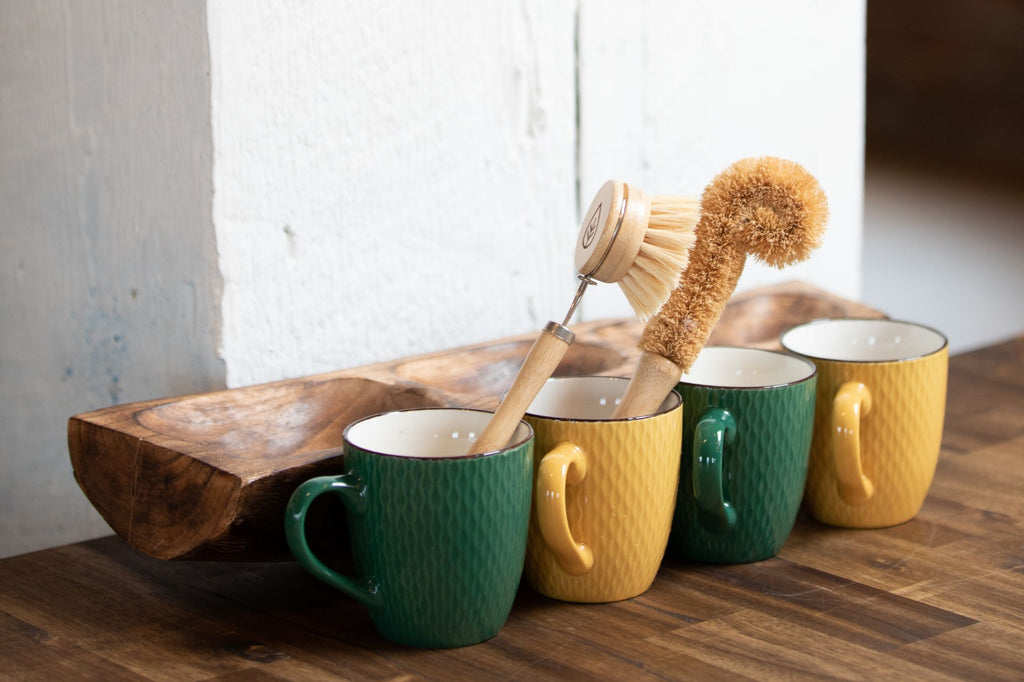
[(208, 476)]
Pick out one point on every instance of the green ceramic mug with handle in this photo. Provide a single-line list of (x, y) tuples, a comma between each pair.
[(439, 535), (748, 415)]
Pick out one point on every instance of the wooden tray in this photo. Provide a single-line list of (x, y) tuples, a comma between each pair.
[(208, 476)]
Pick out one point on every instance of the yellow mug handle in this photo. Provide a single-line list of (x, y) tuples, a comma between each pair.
[(852, 403), (565, 465)]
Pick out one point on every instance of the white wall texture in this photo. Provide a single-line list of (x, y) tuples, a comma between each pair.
[(416, 190), (389, 180), (377, 179), (673, 92), (108, 264)]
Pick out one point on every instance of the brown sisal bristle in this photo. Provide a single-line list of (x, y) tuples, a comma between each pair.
[(775, 208), (663, 254), (769, 207)]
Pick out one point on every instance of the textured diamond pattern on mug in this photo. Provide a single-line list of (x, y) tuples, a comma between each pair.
[(457, 557), (622, 509), (764, 469), (900, 439)]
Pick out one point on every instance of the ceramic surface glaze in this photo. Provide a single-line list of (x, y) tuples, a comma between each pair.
[(867, 340), (726, 366), (583, 398), (423, 433), (878, 423), (441, 539), (747, 423), (605, 491)]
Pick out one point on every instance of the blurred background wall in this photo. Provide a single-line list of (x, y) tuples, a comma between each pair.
[(205, 194), (944, 183)]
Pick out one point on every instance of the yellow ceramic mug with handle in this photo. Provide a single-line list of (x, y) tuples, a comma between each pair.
[(879, 412), (605, 491)]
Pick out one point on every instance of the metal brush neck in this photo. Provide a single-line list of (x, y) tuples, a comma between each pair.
[(585, 281)]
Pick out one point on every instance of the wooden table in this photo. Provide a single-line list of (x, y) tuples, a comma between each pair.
[(942, 595)]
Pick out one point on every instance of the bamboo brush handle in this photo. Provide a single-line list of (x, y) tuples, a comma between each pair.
[(547, 351), (655, 377)]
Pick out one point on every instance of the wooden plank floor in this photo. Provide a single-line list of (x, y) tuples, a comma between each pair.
[(940, 597)]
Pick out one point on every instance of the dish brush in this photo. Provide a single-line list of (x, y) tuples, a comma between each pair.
[(640, 241), (768, 207)]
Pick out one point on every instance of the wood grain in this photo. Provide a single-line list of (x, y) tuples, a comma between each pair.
[(939, 597), (208, 476)]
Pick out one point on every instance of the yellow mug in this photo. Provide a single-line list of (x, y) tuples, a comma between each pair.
[(605, 491), (881, 403)]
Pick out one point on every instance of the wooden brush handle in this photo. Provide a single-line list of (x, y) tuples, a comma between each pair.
[(547, 351), (655, 377)]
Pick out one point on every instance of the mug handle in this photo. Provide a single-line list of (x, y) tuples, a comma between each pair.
[(350, 490), (715, 429), (851, 404), (565, 465)]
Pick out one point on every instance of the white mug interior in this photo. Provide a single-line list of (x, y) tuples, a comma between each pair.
[(863, 340), (425, 433), (729, 367), (585, 398)]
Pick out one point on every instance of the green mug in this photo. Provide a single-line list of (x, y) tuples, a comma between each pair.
[(748, 415), (439, 535)]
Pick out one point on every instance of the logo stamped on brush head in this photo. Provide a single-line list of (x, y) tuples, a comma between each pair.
[(592, 228)]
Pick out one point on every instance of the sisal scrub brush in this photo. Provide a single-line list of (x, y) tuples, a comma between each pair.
[(768, 207), (639, 241)]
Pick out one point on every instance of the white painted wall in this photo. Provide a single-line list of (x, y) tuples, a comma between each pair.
[(107, 259), (390, 178), (379, 179), (416, 190), (673, 92)]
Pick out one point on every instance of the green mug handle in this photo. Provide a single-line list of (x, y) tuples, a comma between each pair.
[(715, 430), (352, 493)]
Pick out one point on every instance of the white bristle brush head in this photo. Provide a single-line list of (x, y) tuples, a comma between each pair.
[(664, 254), (641, 243)]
